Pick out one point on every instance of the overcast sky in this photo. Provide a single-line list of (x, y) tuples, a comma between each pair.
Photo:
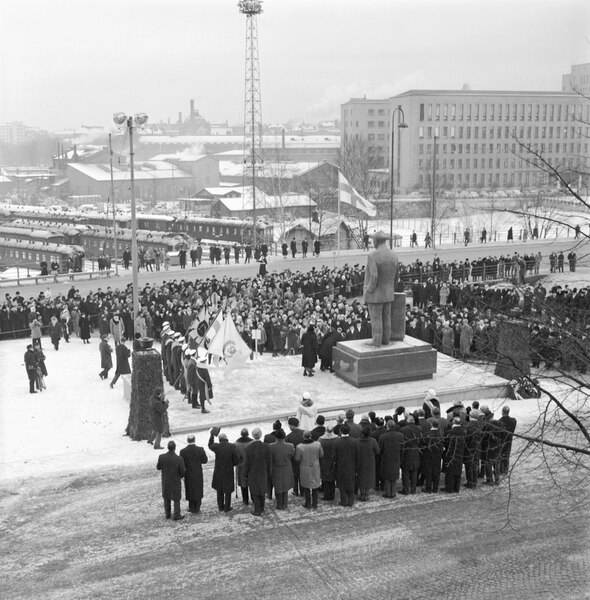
[(70, 62)]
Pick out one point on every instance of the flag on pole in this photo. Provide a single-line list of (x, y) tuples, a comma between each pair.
[(214, 328), (228, 343), (348, 195), (199, 326)]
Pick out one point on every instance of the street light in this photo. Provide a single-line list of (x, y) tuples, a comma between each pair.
[(433, 215), (140, 119), (401, 125)]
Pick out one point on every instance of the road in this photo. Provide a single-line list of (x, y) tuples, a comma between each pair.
[(330, 259)]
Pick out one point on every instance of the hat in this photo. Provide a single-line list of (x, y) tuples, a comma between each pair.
[(184, 346), (191, 352), (177, 336), (430, 394), (293, 421), (306, 396), (244, 432), (379, 236)]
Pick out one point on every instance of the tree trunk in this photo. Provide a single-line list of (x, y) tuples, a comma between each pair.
[(146, 376)]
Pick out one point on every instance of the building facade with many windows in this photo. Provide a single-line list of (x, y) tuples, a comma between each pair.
[(477, 136), (578, 80)]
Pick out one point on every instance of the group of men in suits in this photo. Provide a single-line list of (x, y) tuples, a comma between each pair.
[(355, 457)]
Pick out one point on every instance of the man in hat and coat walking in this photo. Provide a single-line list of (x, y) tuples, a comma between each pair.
[(173, 470), (194, 458), (346, 464), (380, 278)]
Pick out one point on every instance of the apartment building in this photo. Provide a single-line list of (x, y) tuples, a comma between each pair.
[(578, 80)]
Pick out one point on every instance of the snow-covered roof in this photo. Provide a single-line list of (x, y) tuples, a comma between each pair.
[(268, 141), (283, 170), (180, 157), (265, 202), (143, 171)]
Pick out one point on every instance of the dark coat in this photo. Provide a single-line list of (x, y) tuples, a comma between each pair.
[(295, 437), (122, 354), (491, 441), (257, 467), (282, 454), (390, 444), (226, 458), (432, 450), (509, 425), (310, 349), (241, 444), (369, 450), (411, 448), (172, 467), (327, 460), (193, 456), (157, 409), (31, 363), (84, 325), (454, 450), (106, 362), (346, 461)]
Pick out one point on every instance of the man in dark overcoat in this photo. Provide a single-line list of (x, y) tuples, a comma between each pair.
[(172, 467), (327, 463), (390, 444), (241, 444), (257, 470), (472, 453), (295, 437), (158, 408), (432, 450), (509, 425), (410, 455), (226, 458), (194, 458), (31, 367), (122, 354), (453, 457), (346, 464)]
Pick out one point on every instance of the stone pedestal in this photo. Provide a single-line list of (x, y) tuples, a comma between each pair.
[(146, 376), (363, 366)]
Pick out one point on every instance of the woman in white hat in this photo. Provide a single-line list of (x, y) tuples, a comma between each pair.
[(307, 413)]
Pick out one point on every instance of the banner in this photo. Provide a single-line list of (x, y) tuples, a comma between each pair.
[(214, 328), (228, 343), (349, 195)]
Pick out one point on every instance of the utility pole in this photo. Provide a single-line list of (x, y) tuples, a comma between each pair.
[(432, 222), (115, 258)]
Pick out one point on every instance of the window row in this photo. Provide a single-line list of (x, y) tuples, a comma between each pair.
[(557, 148), (481, 179), (500, 132), (504, 112)]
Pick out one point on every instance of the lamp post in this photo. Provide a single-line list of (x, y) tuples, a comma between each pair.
[(121, 119), (401, 125), (433, 216)]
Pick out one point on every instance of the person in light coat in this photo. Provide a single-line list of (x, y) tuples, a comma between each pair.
[(308, 455), (307, 413)]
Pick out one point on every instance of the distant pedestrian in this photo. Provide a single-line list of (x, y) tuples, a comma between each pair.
[(31, 368), (194, 458), (427, 240), (257, 470), (122, 354), (158, 408), (106, 361), (577, 230)]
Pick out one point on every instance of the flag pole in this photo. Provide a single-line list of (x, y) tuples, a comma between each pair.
[(338, 233)]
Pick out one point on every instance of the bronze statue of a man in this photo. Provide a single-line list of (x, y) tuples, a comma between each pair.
[(380, 278)]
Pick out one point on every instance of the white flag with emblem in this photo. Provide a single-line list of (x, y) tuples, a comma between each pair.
[(228, 343)]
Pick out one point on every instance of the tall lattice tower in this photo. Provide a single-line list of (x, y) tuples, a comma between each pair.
[(252, 107)]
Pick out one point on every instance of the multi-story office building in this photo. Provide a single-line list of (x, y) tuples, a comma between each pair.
[(477, 135), (578, 80)]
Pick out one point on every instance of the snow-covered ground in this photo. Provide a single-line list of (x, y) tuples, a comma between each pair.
[(78, 422)]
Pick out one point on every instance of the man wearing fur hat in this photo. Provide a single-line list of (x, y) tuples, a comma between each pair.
[(380, 278)]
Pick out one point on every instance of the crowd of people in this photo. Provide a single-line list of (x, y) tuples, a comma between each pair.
[(358, 458)]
